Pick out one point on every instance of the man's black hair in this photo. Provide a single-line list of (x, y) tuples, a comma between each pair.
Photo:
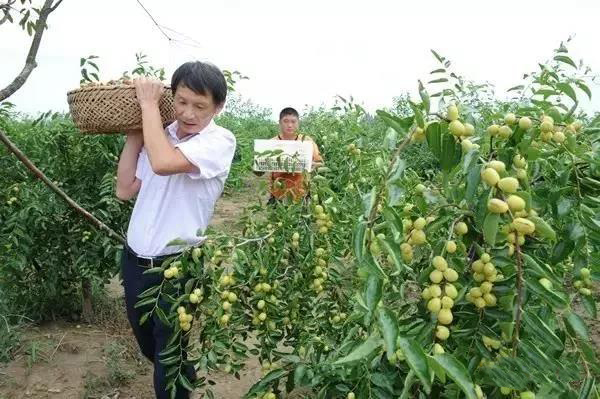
[(202, 78), (288, 111)]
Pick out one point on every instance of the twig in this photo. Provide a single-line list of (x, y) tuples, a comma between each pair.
[(40, 175), (434, 210), (57, 346), (254, 239)]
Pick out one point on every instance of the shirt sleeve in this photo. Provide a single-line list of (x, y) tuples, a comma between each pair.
[(211, 153), (142, 163)]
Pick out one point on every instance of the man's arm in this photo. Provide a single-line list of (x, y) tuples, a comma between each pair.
[(164, 158), (127, 184)]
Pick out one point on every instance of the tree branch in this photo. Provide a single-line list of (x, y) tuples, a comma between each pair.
[(54, 7), (40, 175), (30, 62)]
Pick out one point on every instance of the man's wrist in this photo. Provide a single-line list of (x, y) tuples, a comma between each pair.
[(148, 105)]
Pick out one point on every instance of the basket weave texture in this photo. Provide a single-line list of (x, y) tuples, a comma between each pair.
[(112, 109)]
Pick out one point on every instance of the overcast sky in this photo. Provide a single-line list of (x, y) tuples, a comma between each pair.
[(300, 53)]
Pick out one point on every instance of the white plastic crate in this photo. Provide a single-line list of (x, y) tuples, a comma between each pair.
[(290, 156)]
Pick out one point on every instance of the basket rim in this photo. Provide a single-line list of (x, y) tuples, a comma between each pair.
[(106, 87)]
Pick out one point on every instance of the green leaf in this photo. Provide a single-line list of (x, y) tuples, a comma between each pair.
[(590, 305), (373, 266), (176, 242), (434, 138), (154, 270), (437, 56), (541, 330), (150, 291), (542, 228), (262, 385), (561, 251), (568, 90), (362, 351), (450, 152), (373, 292), (440, 80), (299, 374), (389, 328), (369, 201), (418, 114), (186, 383), (458, 373), (563, 206), (565, 59), (424, 97), (575, 325), (145, 317), (392, 121), (551, 297), (408, 383), (473, 180), (162, 316), (490, 228), (584, 88), (383, 381), (586, 388), (437, 369), (144, 302), (359, 240), (397, 170), (519, 87), (393, 250), (393, 223), (417, 360)]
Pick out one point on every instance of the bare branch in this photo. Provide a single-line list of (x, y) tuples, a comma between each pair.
[(40, 175), (54, 7), (30, 62)]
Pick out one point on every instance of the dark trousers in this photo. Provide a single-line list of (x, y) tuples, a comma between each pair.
[(153, 335)]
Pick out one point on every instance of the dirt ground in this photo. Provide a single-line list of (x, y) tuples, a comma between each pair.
[(101, 361)]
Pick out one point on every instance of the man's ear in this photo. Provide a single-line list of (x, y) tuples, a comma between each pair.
[(219, 108)]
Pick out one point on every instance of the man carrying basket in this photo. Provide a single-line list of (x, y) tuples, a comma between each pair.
[(177, 174)]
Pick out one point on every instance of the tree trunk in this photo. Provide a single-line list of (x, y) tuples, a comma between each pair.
[(87, 310)]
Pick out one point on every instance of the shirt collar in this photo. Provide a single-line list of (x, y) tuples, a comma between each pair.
[(172, 129)]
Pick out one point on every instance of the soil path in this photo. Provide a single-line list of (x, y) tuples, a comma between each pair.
[(63, 360)]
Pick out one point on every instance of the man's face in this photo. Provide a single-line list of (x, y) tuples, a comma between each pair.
[(193, 111), (288, 124)]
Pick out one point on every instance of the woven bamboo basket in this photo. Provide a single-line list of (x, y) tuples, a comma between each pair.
[(112, 108)]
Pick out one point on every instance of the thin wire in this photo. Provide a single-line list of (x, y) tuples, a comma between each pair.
[(182, 35), (153, 20)]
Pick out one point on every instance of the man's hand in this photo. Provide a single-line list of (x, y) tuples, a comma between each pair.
[(148, 91)]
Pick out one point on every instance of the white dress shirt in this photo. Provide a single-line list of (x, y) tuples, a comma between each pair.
[(180, 206)]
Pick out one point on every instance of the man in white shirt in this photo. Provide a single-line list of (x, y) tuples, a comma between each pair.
[(177, 173)]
